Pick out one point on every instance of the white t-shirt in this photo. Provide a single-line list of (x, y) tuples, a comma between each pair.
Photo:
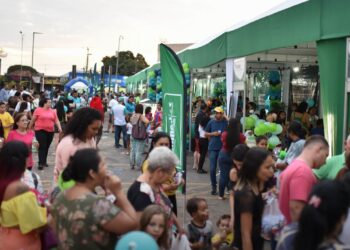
[(128, 128), (119, 116), (111, 104), (201, 132), (19, 104)]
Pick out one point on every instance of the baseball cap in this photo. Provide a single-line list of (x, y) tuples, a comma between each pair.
[(219, 110)]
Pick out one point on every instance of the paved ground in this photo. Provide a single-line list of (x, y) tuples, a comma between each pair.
[(197, 185)]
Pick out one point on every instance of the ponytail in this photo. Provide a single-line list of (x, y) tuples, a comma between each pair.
[(80, 164)]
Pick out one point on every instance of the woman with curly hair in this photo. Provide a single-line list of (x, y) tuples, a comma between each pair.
[(80, 132)]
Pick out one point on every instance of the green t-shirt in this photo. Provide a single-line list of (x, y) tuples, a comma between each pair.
[(332, 167), (79, 222)]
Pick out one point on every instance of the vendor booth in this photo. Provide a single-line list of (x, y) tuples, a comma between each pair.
[(296, 52)]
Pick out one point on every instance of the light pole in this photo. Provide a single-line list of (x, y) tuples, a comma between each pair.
[(87, 60), (117, 55), (20, 74), (34, 33)]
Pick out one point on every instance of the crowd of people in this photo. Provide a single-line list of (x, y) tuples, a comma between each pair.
[(87, 207)]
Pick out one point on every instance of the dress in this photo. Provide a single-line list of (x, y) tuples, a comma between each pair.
[(19, 217), (79, 222)]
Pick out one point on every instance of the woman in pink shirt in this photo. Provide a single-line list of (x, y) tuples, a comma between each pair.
[(80, 132), (44, 120), (21, 133)]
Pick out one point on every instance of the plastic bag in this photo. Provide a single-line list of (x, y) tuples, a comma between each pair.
[(180, 243), (272, 220)]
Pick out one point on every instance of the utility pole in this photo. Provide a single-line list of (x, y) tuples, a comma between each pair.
[(117, 55), (20, 74), (34, 33), (87, 60)]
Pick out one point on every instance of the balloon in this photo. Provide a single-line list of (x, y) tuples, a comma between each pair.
[(278, 130), (249, 122), (260, 121), (185, 65), (310, 102), (255, 117), (136, 240), (282, 154), (186, 70), (151, 74), (242, 120), (273, 141), (273, 127), (258, 131)]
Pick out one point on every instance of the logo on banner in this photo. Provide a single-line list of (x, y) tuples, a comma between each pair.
[(172, 124), (239, 69)]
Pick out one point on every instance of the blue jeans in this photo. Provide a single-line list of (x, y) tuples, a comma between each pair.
[(225, 165), (136, 154), (213, 157), (117, 131)]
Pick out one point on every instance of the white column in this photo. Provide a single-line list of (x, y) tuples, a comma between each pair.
[(229, 83)]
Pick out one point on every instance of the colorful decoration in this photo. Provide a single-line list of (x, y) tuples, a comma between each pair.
[(273, 96), (136, 240)]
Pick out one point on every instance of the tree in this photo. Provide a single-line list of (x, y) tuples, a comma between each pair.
[(128, 63)]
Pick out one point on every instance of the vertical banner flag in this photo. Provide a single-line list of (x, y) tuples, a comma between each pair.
[(174, 108)]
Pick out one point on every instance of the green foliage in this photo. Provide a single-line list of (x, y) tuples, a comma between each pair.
[(128, 63)]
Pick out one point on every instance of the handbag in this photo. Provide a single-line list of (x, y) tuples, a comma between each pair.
[(48, 239)]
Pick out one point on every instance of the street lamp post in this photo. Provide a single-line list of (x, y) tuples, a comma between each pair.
[(20, 74), (117, 55), (34, 33)]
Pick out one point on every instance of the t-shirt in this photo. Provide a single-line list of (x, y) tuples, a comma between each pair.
[(246, 201), (112, 102), (18, 105), (45, 119), (27, 138), (141, 195), (6, 120), (344, 236), (224, 245), (65, 149), (129, 108), (214, 125), (128, 128), (224, 140), (331, 168), (297, 181), (79, 222), (118, 112), (200, 234)]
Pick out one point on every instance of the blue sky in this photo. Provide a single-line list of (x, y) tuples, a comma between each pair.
[(69, 26)]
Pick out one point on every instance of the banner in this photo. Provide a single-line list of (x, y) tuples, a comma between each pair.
[(174, 96)]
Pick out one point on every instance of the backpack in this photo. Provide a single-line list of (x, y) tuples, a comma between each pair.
[(139, 130)]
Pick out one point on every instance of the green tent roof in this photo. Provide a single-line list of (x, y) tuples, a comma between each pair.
[(309, 21)]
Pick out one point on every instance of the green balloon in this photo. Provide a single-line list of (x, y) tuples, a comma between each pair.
[(258, 131), (151, 74), (258, 122), (186, 70), (249, 122), (273, 141), (185, 65), (273, 127), (278, 129), (255, 117)]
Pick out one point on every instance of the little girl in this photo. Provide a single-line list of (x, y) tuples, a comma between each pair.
[(154, 222)]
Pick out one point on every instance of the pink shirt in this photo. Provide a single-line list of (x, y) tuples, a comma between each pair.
[(27, 139), (45, 119), (296, 184), (67, 148)]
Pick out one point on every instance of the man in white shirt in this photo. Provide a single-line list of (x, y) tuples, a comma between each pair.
[(111, 104), (118, 113)]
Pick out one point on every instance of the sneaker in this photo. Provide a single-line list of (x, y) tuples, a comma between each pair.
[(214, 192), (222, 198)]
